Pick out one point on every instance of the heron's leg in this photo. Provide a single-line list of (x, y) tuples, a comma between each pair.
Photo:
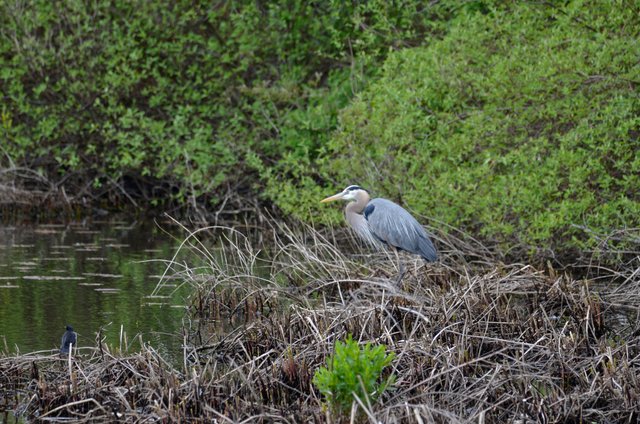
[(401, 269)]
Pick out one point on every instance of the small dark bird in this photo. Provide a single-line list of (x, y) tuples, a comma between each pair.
[(68, 338), (381, 222)]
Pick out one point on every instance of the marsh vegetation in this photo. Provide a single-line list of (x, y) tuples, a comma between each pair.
[(509, 128), (474, 339)]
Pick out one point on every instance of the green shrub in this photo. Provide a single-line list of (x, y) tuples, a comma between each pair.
[(353, 370), (521, 124), (173, 100), (517, 121)]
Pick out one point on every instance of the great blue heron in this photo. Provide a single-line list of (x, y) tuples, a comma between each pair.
[(68, 338), (381, 222)]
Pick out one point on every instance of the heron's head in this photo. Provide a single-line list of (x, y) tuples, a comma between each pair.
[(353, 192), (69, 328)]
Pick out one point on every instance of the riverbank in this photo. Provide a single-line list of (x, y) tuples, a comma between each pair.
[(475, 340)]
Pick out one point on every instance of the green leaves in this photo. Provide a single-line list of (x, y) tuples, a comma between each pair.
[(353, 371), (514, 120), (518, 124), (182, 93)]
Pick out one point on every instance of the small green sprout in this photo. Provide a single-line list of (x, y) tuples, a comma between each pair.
[(353, 371)]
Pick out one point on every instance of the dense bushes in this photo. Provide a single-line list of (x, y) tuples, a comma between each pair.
[(518, 121), (521, 124), (181, 99)]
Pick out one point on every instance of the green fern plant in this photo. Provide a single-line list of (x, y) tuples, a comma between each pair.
[(351, 371)]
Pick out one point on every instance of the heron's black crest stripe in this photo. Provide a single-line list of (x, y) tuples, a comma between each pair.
[(355, 187), (368, 210)]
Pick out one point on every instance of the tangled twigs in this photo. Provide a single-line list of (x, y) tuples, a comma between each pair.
[(475, 340)]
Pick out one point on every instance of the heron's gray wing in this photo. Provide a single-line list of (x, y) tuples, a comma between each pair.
[(395, 226)]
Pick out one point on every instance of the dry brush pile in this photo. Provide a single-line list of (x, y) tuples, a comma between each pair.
[(475, 341)]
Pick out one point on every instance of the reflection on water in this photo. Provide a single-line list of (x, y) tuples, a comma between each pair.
[(89, 276)]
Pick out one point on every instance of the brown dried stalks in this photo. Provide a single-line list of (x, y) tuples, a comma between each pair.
[(476, 341)]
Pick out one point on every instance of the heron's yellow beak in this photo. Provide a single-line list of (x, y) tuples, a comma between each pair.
[(332, 198)]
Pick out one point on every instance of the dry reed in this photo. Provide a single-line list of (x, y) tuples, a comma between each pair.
[(476, 340)]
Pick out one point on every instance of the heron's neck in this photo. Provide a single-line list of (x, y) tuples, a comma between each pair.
[(358, 205)]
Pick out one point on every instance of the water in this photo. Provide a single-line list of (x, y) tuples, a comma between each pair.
[(88, 275)]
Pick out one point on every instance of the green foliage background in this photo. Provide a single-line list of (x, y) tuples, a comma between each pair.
[(517, 121), (521, 124), (176, 99)]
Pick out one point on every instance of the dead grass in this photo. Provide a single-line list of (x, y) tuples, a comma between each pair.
[(476, 340)]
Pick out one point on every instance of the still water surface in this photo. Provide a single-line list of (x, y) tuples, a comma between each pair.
[(88, 275)]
